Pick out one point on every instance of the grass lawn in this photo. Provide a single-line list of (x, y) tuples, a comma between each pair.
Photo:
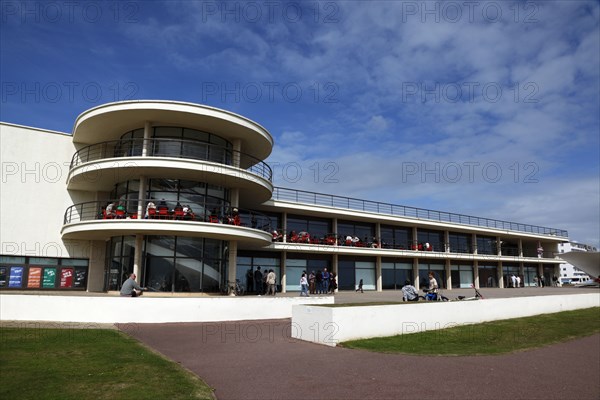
[(490, 338), (88, 364)]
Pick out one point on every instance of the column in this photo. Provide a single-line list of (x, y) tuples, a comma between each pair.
[(474, 243), (232, 263), (447, 241), (283, 271), (414, 239), (284, 226), (448, 275), (334, 228), (378, 273), (520, 244), (137, 256), (147, 136), (476, 274), (500, 276), (416, 273), (498, 245), (141, 210), (237, 155), (334, 268), (234, 197)]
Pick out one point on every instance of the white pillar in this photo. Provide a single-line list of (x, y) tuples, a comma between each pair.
[(141, 196), (137, 256), (147, 136), (283, 271), (232, 263), (378, 273)]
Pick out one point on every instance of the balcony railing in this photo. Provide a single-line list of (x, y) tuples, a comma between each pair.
[(176, 148), (166, 210), (320, 199)]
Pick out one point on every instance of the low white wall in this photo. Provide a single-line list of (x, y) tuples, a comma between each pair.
[(331, 325), (104, 309)]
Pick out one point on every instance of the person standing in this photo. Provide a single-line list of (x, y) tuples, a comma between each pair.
[(271, 282), (258, 279), (303, 285), (312, 282), (433, 285), (325, 281)]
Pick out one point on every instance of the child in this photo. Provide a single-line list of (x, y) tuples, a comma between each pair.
[(360, 286)]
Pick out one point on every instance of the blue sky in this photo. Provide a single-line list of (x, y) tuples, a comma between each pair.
[(481, 108)]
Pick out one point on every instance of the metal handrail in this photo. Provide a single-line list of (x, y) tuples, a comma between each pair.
[(300, 196), (207, 212), (177, 148)]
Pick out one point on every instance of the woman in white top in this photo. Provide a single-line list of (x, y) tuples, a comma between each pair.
[(303, 285)]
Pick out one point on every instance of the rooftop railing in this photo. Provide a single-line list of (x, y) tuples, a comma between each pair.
[(319, 199), (177, 148)]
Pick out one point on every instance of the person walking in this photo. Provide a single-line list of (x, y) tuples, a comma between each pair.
[(360, 286), (303, 285)]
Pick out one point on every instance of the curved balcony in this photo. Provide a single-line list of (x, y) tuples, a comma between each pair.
[(99, 166), (109, 121), (96, 220)]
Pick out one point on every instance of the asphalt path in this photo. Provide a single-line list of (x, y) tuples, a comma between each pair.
[(259, 360)]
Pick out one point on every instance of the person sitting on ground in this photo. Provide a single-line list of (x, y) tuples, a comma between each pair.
[(131, 288), (409, 292)]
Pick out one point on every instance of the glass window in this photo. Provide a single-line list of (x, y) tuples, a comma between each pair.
[(168, 132), (486, 245), (12, 259), (488, 275), (460, 243), (439, 273), (434, 238), (396, 237), (43, 261), (316, 227), (365, 270), (74, 262), (461, 275)]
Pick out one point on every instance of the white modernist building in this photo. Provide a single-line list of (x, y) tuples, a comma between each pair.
[(180, 194), (570, 274)]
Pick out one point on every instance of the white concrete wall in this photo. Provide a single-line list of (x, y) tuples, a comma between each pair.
[(331, 325), (106, 309), (35, 164)]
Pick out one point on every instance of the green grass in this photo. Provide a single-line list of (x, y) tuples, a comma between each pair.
[(88, 364), (490, 338)]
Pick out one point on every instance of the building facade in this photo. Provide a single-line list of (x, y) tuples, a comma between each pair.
[(570, 274), (180, 194)]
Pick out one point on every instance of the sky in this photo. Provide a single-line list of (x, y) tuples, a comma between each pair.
[(481, 108)]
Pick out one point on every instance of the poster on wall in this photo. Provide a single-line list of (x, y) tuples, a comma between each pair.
[(66, 278), (15, 279), (80, 278), (34, 278), (3, 275), (49, 278)]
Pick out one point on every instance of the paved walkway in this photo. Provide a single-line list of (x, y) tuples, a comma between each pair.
[(259, 360)]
